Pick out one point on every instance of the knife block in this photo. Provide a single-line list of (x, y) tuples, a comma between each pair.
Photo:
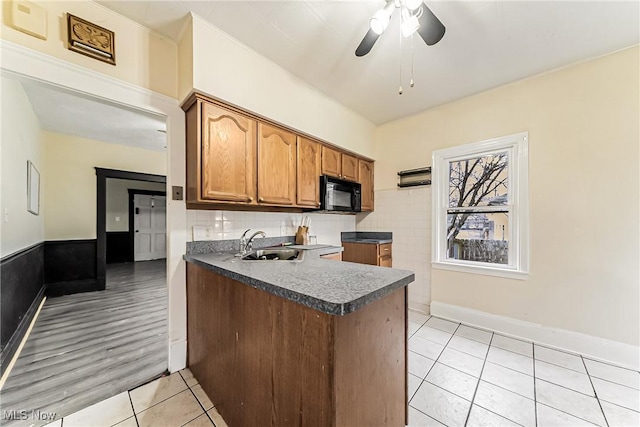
[(302, 236)]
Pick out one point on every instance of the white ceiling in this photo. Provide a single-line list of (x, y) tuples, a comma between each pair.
[(74, 114), (486, 44)]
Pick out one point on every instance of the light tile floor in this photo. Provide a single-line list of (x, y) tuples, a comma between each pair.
[(458, 376), (464, 376), (172, 401)]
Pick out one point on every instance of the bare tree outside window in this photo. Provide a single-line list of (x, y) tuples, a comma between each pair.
[(478, 213)]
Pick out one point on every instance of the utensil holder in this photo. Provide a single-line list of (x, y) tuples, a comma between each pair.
[(302, 236)]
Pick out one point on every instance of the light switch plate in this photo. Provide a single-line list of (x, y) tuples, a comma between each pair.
[(176, 192)]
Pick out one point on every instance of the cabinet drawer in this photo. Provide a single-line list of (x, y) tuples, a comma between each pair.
[(385, 261), (384, 250)]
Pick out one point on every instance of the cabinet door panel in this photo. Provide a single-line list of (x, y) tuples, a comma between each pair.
[(349, 167), (276, 165), (365, 175), (308, 173), (331, 162), (228, 155)]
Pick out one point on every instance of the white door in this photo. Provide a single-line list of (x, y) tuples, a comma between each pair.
[(150, 222)]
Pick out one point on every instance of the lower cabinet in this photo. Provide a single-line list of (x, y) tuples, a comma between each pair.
[(368, 253)]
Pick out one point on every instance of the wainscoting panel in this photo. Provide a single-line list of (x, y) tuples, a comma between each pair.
[(22, 288), (70, 267)]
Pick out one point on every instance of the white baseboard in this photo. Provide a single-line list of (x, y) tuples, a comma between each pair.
[(177, 356), (419, 307), (614, 352)]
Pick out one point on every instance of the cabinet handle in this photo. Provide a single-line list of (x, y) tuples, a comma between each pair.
[(250, 199), (386, 249), (261, 199)]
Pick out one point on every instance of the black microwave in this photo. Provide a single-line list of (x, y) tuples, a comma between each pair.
[(337, 195)]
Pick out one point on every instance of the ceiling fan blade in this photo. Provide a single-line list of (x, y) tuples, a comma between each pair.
[(367, 43), (431, 29)]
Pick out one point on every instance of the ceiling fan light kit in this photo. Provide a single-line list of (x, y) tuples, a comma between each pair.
[(416, 17)]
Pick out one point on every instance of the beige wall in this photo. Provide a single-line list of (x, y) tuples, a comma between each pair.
[(118, 200), (143, 57), (20, 142), (226, 69), (70, 190), (583, 124)]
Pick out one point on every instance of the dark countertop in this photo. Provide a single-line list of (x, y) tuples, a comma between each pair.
[(372, 237), (328, 286)]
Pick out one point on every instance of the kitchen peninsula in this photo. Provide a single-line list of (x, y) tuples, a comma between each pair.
[(309, 342)]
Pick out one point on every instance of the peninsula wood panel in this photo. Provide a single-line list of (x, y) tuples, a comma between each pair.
[(364, 385), (276, 165), (228, 155), (365, 177), (349, 167), (308, 173), (264, 360)]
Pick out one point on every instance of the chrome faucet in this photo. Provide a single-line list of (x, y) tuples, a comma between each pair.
[(243, 243), (249, 245)]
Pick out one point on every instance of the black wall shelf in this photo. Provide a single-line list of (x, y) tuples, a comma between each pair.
[(415, 177)]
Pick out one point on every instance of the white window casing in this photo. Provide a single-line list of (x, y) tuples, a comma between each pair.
[(518, 205)]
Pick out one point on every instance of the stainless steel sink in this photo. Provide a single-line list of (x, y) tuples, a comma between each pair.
[(273, 254)]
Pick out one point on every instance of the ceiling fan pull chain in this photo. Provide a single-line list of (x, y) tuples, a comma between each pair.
[(411, 82), (400, 88)]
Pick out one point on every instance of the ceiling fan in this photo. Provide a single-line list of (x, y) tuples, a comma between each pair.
[(416, 17)]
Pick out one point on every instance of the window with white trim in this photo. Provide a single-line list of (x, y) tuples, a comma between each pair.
[(480, 207)]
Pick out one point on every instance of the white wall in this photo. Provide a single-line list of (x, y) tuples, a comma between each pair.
[(405, 213), (70, 191), (117, 209), (226, 225), (583, 123), (229, 70), (20, 142)]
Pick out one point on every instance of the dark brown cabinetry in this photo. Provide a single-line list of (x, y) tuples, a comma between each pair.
[(368, 253), (268, 361)]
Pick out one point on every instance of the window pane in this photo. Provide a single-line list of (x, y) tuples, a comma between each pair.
[(482, 237), (479, 181)]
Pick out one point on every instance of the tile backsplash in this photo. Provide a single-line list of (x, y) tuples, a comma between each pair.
[(225, 225), (407, 214)]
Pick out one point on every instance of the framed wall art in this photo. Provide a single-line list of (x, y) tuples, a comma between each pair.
[(33, 189)]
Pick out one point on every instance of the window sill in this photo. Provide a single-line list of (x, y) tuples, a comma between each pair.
[(487, 271)]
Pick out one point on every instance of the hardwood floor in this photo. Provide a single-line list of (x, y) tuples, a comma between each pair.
[(87, 347)]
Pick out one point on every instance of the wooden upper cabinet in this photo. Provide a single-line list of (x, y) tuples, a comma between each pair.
[(331, 162), (339, 164), (308, 173), (349, 167), (228, 155), (365, 173), (276, 165)]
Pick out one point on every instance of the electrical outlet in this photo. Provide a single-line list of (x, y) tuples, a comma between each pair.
[(6, 215), (283, 230)]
